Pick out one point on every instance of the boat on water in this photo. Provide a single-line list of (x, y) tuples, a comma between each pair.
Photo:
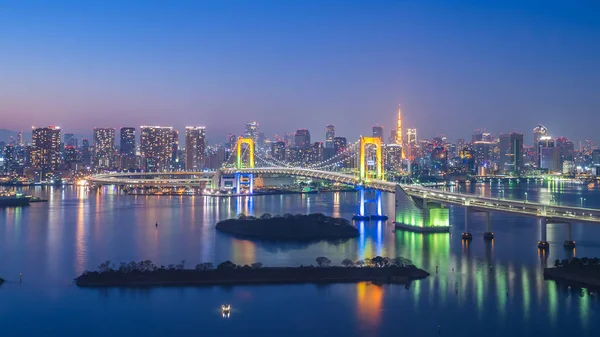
[(13, 199)]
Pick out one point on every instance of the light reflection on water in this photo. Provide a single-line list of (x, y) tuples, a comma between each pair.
[(494, 284)]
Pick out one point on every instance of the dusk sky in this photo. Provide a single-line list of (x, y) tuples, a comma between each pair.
[(453, 66)]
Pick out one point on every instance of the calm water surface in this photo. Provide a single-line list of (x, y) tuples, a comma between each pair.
[(501, 290)]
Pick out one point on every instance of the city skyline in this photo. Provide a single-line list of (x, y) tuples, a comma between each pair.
[(261, 67)]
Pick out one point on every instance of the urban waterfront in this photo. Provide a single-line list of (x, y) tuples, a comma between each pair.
[(493, 288)]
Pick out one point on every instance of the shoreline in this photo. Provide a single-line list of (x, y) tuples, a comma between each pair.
[(571, 277)]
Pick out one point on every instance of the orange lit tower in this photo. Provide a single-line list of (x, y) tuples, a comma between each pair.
[(399, 140)]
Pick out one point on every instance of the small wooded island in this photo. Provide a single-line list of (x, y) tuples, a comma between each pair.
[(146, 273), (299, 227), (577, 271), (1, 280)]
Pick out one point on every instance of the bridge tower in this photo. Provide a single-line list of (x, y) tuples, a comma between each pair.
[(364, 165), (244, 181), (364, 176)]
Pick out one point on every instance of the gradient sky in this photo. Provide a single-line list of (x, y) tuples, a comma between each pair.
[(452, 65)]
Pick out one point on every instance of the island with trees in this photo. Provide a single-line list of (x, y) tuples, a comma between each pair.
[(310, 227), (583, 271), (145, 273), (1, 280)]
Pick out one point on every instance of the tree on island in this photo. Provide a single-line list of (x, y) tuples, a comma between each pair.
[(241, 216), (226, 265), (359, 263), (347, 263), (257, 265), (204, 266), (322, 261), (265, 216)]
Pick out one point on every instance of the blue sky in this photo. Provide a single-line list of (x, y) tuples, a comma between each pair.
[(452, 65)]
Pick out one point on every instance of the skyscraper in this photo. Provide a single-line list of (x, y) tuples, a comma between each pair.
[(538, 132), (511, 153), (340, 144), (329, 136), (399, 139), (411, 144), (378, 132), (302, 138), (251, 131), (174, 160), (104, 148), (70, 140), (127, 148), (195, 147), (45, 151), (156, 147)]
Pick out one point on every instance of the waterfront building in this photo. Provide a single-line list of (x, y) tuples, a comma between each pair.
[(86, 153), (156, 147), (538, 132), (45, 150), (104, 148), (195, 147), (550, 159), (511, 153), (393, 157), (127, 148), (70, 140)]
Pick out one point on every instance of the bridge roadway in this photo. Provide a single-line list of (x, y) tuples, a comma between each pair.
[(553, 213)]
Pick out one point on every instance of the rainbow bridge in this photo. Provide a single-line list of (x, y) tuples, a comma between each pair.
[(417, 208)]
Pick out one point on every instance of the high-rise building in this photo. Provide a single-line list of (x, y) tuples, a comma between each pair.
[(538, 132), (302, 139), (174, 161), (20, 138), (340, 144), (550, 159), (251, 131), (543, 142), (378, 132), (86, 154), (566, 149), (127, 148), (45, 151), (278, 150), (511, 153), (104, 148), (329, 136), (399, 139), (70, 140), (156, 147), (393, 157), (195, 147)]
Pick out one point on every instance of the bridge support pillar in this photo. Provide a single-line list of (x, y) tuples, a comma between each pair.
[(569, 243), (362, 209), (466, 235), (543, 243), (488, 234)]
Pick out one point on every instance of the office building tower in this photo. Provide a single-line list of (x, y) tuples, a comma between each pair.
[(393, 157), (195, 147), (45, 150), (550, 159), (20, 138), (511, 153), (278, 150), (543, 142), (538, 132), (70, 140), (566, 149), (302, 139), (104, 148), (329, 136), (156, 147), (340, 144), (251, 131), (127, 148), (174, 161), (86, 153), (378, 132)]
